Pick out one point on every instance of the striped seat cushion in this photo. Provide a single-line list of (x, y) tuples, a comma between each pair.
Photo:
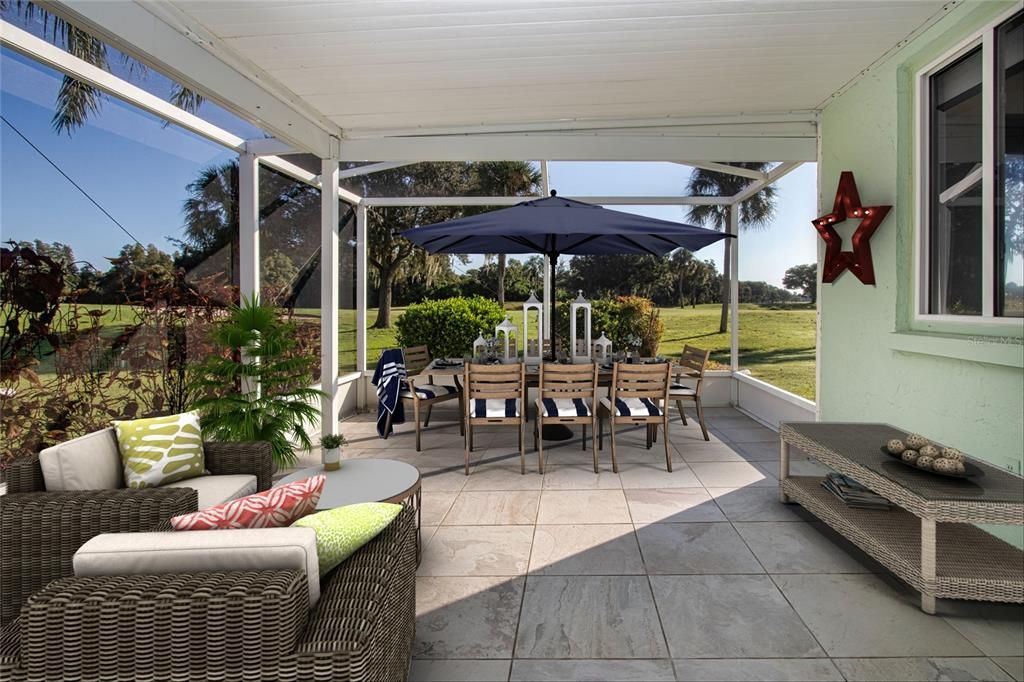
[(679, 389), (564, 407), (495, 407), (428, 391), (633, 407)]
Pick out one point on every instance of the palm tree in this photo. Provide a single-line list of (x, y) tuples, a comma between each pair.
[(506, 179), (755, 213), (76, 101)]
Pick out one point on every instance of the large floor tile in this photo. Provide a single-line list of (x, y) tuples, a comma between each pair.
[(756, 503), (426, 670), (672, 505), (447, 479), (749, 434), (589, 617), (784, 547), (1014, 665), (503, 477), (730, 616), (435, 506), (583, 506), (579, 476), (920, 669), (996, 629), (478, 550), (688, 548), (707, 453), (756, 670), (466, 617), (657, 670), (651, 473), (763, 452), (589, 549), (731, 475), (797, 467), (483, 508), (860, 615)]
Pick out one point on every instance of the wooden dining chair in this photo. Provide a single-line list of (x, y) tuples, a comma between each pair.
[(566, 395), (639, 396), (690, 369), (423, 393), (495, 396)]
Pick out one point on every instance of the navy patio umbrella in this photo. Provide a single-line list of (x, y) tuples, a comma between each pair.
[(554, 226)]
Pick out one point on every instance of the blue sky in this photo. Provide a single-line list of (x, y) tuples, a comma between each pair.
[(137, 169)]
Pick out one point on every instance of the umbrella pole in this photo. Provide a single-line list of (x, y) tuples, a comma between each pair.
[(555, 431)]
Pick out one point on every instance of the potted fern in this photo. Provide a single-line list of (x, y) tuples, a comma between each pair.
[(330, 444), (257, 386)]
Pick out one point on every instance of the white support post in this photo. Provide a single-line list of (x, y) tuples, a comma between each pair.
[(546, 294), (361, 279), (248, 240), (734, 290), (329, 298)]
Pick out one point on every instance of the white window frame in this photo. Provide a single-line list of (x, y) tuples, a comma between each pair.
[(984, 37)]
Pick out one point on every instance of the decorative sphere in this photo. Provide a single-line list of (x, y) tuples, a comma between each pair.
[(916, 441), (910, 456), (895, 446), (929, 451), (960, 468), (952, 453), (945, 466), (925, 462)]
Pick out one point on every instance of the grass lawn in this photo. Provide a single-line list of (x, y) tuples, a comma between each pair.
[(777, 346)]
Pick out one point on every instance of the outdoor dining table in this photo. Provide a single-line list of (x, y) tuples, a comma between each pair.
[(442, 367)]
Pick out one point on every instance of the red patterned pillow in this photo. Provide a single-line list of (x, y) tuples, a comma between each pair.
[(274, 508)]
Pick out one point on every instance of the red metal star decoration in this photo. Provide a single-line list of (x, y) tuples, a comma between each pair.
[(847, 205)]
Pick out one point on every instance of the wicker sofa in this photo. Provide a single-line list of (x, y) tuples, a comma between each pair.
[(241, 625)]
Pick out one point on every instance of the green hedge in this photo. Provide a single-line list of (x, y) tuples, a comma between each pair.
[(620, 318), (448, 326)]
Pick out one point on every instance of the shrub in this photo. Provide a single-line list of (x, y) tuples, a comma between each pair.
[(622, 319), (449, 326)]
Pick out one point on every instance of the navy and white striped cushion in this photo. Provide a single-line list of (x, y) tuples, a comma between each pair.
[(633, 407), (565, 407), (494, 407), (679, 389), (428, 391)]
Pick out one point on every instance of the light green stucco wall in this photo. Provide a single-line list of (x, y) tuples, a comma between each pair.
[(964, 389)]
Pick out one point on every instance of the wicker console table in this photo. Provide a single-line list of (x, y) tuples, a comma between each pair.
[(927, 539)]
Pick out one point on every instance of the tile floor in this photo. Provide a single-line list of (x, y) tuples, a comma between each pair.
[(700, 574)]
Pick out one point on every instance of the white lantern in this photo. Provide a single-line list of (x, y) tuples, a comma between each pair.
[(533, 344), (479, 347), (580, 342), (603, 349), (503, 337)]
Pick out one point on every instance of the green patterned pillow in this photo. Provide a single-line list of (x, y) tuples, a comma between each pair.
[(343, 530), (160, 450)]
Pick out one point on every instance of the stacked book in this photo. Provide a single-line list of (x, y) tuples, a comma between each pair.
[(853, 493)]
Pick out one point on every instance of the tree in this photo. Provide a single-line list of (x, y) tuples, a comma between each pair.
[(135, 270), (803, 277), (504, 179), (76, 101), (621, 275), (756, 212), (62, 254), (696, 280), (277, 272)]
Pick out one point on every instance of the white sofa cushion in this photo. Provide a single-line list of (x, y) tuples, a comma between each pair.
[(90, 462), (217, 489), (202, 551)]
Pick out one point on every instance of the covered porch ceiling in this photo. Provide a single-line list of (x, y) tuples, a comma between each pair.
[(729, 80)]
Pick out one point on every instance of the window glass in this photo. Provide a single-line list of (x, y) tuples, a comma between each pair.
[(1009, 206), (955, 219)]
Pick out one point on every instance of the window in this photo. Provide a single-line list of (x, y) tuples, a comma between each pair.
[(972, 250)]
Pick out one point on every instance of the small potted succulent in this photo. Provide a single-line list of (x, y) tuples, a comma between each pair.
[(331, 445)]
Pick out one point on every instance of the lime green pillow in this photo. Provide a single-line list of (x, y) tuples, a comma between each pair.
[(160, 450), (343, 530)]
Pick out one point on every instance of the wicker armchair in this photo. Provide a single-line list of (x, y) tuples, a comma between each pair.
[(252, 625), (42, 530)]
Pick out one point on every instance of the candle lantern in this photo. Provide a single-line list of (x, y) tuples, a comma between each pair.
[(503, 337), (479, 347), (533, 343), (603, 349), (580, 338)]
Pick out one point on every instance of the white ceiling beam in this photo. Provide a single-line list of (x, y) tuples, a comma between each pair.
[(725, 168), (372, 168), (269, 146), (575, 147), (756, 186), (511, 201), (184, 51)]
